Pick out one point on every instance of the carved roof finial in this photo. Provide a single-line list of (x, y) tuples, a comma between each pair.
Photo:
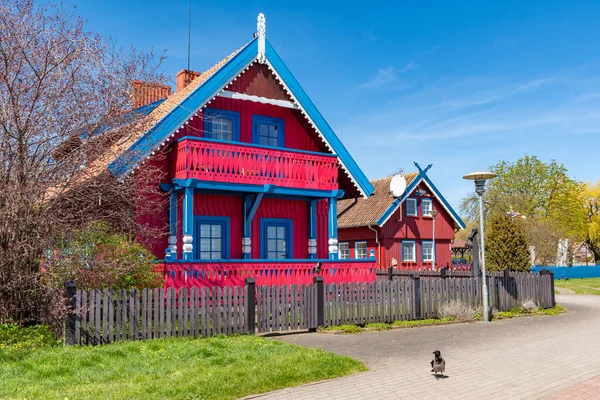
[(261, 28)]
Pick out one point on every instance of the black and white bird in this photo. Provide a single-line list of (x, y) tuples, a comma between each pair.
[(438, 364)]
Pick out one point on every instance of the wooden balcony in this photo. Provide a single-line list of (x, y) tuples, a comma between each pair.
[(266, 272), (215, 161)]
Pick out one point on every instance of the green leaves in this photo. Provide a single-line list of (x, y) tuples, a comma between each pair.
[(506, 245)]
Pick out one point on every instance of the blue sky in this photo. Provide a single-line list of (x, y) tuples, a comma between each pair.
[(457, 84)]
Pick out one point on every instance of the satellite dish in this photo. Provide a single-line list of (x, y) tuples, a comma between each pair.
[(397, 185)]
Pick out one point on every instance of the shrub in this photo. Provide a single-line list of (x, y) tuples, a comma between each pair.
[(97, 257), (30, 337), (529, 306), (506, 245), (458, 310)]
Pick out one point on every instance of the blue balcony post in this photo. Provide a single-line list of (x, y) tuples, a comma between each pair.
[(332, 228), (312, 229), (188, 223), (247, 231), (171, 252)]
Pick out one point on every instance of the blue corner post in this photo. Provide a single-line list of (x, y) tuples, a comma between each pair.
[(188, 223), (171, 252), (332, 228), (312, 229), (247, 232)]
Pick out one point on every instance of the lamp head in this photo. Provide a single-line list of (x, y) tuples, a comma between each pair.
[(480, 177)]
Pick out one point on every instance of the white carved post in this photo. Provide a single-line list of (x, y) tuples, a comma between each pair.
[(261, 29)]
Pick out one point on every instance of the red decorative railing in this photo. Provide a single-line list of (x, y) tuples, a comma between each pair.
[(221, 162), (180, 274)]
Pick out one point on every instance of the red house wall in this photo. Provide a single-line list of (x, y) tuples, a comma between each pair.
[(401, 227)]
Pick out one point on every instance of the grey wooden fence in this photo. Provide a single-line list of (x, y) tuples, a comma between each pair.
[(99, 317)]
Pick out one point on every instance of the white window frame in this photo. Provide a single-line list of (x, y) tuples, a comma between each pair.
[(426, 201), (356, 250), (413, 201), (414, 251), (347, 249), (423, 243)]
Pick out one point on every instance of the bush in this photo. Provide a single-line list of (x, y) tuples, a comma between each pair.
[(97, 257), (529, 306), (458, 310), (506, 245), (30, 337)]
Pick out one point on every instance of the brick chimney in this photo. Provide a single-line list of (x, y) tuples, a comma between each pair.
[(143, 93), (184, 77)]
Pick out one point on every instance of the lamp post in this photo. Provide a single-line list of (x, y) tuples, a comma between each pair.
[(480, 178), (433, 214)]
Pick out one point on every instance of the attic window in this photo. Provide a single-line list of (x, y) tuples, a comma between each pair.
[(221, 125), (267, 131), (426, 207), (411, 207)]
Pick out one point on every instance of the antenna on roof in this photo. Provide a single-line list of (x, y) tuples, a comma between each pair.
[(189, 41)]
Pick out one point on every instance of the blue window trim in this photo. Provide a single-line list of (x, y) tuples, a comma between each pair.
[(264, 222), (416, 214), (340, 243), (414, 251), (225, 221), (366, 247), (428, 200), (234, 116), (279, 122), (423, 251)]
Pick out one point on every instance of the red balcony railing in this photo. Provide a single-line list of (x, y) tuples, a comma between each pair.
[(285, 272), (222, 162)]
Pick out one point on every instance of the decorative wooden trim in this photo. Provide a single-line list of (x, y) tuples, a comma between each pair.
[(257, 99)]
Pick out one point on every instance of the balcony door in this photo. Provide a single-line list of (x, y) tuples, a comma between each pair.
[(276, 239), (211, 240)]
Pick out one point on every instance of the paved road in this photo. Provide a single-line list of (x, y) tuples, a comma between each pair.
[(524, 358)]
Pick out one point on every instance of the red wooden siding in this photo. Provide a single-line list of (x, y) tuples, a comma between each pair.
[(259, 81), (400, 227)]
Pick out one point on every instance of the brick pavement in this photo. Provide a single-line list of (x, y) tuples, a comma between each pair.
[(522, 358)]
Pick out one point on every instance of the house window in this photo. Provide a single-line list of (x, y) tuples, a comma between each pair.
[(211, 238), (427, 248), (276, 237), (221, 124), (344, 250), (408, 252), (267, 131), (411, 207), (360, 250), (426, 207)]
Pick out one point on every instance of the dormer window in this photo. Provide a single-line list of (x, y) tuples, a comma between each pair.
[(267, 131), (426, 207), (221, 125)]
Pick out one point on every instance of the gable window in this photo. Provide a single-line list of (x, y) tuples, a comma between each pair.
[(276, 235), (344, 250), (409, 251), (426, 207), (211, 238), (360, 250), (267, 131), (427, 249), (221, 124), (411, 207)]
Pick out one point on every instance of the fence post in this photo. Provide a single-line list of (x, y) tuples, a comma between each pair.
[(553, 298), (320, 288), (390, 273), (69, 329), (250, 298), (417, 293), (443, 273)]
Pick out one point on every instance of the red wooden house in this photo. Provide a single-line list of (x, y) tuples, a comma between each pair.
[(254, 175), (399, 228)]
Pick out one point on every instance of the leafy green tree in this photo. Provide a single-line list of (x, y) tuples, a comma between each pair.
[(591, 200), (506, 245)]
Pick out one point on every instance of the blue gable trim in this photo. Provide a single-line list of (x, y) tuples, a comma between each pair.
[(421, 177), (176, 117), (318, 119)]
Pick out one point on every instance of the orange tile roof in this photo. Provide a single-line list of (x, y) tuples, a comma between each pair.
[(366, 211)]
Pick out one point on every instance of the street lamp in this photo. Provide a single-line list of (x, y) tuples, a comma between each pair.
[(433, 214), (480, 178)]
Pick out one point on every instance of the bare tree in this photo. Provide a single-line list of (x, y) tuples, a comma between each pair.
[(65, 108)]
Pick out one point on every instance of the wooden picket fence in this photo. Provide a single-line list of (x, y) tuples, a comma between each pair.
[(100, 317)]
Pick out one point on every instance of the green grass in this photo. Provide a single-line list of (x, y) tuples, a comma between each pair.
[(518, 312), (429, 321), (14, 336), (346, 328), (378, 326), (213, 368), (581, 286)]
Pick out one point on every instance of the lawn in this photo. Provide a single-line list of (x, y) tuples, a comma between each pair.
[(581, 286), (212, 368)]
